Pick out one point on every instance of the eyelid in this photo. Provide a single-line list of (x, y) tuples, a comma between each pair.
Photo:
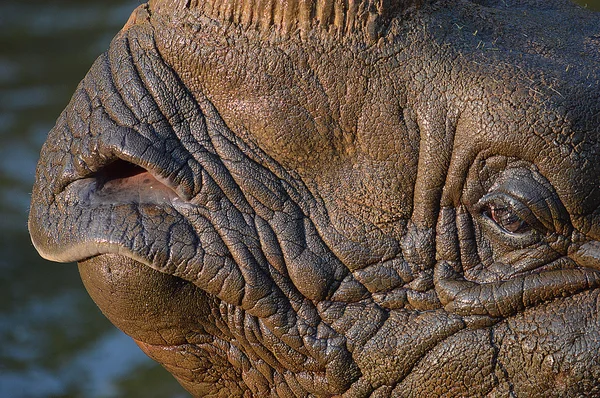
[(499, 199), (532, 196)]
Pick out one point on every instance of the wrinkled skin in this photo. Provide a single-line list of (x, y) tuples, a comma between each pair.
[(406, 208)]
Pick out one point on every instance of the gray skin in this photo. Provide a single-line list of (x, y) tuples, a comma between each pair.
[(319, 198)]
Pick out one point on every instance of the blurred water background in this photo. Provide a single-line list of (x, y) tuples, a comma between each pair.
[(54, 342)]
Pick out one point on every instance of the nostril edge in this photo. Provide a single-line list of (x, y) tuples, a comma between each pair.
[(119, 169), (587, 255), (122, 182)]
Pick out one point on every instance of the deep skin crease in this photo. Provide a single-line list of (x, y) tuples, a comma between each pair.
[(290, 205)]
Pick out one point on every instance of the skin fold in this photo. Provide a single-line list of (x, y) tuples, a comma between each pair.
[(357, 199)]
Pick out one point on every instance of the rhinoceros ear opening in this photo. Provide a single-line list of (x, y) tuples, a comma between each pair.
[(334, 16)]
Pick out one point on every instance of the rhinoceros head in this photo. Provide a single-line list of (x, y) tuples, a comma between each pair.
[(358, 198)]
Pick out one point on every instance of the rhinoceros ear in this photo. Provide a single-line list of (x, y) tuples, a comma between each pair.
[(335, 16)]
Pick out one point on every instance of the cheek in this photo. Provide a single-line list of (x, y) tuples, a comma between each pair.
[(557, 342), (283, 129), (550, 350)]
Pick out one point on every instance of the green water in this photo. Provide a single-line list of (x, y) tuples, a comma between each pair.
[(591, 4), (53, 340)]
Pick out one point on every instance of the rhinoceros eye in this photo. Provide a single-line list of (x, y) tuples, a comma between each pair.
[(508, 214), (506, 218)]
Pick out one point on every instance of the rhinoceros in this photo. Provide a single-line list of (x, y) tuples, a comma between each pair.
[(357, 198)]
